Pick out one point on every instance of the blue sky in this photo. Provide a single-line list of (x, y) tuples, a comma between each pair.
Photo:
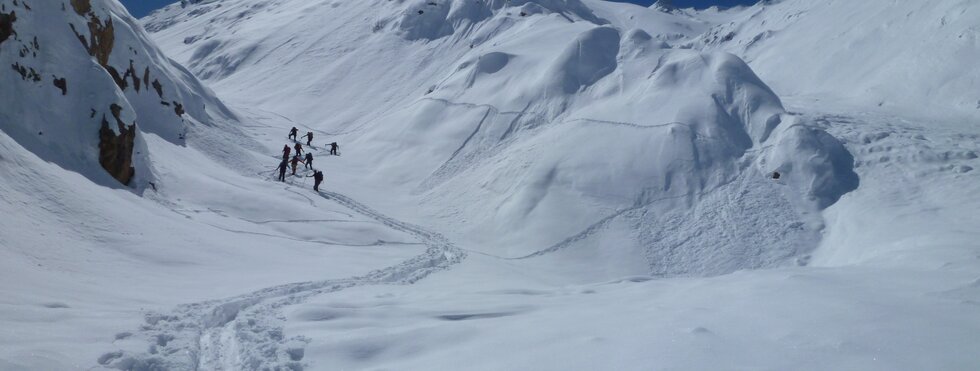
[(140, 8)]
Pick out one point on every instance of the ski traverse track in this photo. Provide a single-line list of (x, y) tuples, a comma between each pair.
[(245, 332)]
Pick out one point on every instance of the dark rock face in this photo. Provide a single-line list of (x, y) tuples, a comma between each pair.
[(116, 150), (61, 84), (7, 25)]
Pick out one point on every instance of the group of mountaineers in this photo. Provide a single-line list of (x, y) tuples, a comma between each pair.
[(307, 160)]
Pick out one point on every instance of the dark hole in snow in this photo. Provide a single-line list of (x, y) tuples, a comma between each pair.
[(776, 175)]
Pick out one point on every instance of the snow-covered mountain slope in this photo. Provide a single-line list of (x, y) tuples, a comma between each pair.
[(82, 257), (529, 184), (533, 126), (88, 84), (907, 56)]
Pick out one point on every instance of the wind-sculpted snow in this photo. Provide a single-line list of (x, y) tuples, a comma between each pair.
[(878, 52), (87, 84), (535, 120)]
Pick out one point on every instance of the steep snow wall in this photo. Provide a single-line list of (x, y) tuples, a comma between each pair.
[(536, 129), (86, 84)]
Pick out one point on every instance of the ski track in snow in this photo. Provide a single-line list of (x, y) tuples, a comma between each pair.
[(245, 332)]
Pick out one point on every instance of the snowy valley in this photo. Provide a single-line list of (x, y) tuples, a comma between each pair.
[(522, 184)]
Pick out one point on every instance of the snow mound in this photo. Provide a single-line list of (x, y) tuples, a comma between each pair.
[(88, 84)]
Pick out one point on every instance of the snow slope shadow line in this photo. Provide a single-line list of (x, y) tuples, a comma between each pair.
[(245, 331)]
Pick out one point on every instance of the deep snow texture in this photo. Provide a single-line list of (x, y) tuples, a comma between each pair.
[(536, 124), (907, 56), (498, 191)]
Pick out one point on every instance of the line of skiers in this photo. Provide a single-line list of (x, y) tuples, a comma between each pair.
[(308, 160), (309, 135)]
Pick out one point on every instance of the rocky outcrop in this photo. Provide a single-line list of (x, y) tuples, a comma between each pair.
[(116, 150), (7, 25)]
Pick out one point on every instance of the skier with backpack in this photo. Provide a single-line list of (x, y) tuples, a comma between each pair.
[(293, 132), (285, 152), (309, 138), (295, 162), (299, 148), (309, 160), (282, 170), (333, 148), (317, 179)]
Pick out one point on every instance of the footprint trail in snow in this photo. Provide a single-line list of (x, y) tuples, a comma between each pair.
[(246, 331)]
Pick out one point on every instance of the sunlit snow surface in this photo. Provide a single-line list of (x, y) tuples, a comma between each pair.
[(543, 184)]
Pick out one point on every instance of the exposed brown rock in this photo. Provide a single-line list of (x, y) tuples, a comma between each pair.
[(120, 81), (116, 150), (158, 88), (132, 72), (81, 7), (103, 38)]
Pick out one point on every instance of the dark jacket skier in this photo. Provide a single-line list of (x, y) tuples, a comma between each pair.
[(295, 162), (285, 152), (317, 179), (282, 170), (333, 148), (293, 132), (309, 138), (299, 148), (309, 160)]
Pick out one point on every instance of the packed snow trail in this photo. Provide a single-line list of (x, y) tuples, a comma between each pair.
[(245, 332)]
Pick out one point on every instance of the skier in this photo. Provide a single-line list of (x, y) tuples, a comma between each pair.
[(299, 148), (293, 132), (295, 162), (282, 170), (285, 152), (333, 148), (317, 179), (309, 160), (309, 138)]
